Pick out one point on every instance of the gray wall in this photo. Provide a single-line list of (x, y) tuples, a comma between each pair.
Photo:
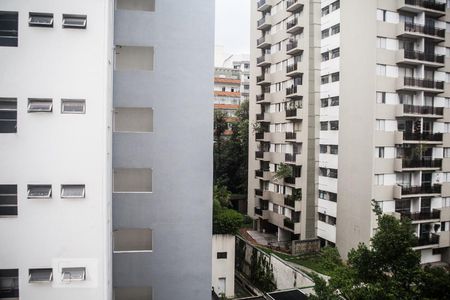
[(179, 151)]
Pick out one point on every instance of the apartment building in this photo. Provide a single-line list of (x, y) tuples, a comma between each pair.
[(241, 62), (381, 128), (227, 94), (90, 204)]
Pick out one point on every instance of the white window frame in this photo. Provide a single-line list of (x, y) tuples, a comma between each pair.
[(73, 102), (67, 24), (46, 196), (82, 188), (40, 105), (30, 275), (66, 274), (40, 19)]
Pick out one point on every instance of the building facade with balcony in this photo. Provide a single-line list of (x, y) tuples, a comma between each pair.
[(374, 81), (90, 204)]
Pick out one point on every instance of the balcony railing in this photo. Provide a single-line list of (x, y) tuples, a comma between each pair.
[(289, 180), (417, 55), (422, 163), (258, 192), (288, 157), (288, 223), (260, 59), (291, 45), (428, 137), (259, 173), (259, 154), (419, 216), (425, 240), (260, 117), (429, 4), (424, 189), (260, 78), (261, 21), (259, 135), (291, 68), (291, 90), (289, 3), (261, 3), (291, 135), (290, 200), (258, 211), (423, 83), (260, 98), (423, 110), (291, 23), (261, 40), (428, 30), (291, 113)]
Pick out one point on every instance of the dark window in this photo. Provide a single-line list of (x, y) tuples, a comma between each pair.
[(323, 171), (325, 33), (333, 173), (221, 255), (323, 125), (403, 206), (40, 20), (335, 77), (8, 200), (322, 217), (325, 79), (9, 28), (335, 53), (334, 125), (74, 21), (331, 220), (335, 5), (323, 148), (324, 102), (325, 10), (333, 149), (334, 101), (335, 29), (325, 56), (9, 283), (332, 197), (8, 115)]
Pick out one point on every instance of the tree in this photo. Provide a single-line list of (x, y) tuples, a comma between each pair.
[(389, 269), (225, 220)]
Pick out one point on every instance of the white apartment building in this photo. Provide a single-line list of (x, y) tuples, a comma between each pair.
[(90, 204), (378, 97)]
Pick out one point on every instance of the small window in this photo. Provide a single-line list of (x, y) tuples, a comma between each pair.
[(325, 10), (323, 149), (335, 29), (323, 125), (324, 102), (8, 115), (381, 97), (40, 275), (74, 21), (335, 5), (325, 79), (39, 191), (132, 240), (334, 101), (9, 283), (9, 28), (73, 106), (72, 191), (8, 200), (40, 105), (73, 274), (335, 53), (334, 125), (325, 56), (334, 149), (335, 77), (325, 33), (40, 20), (221, 255)]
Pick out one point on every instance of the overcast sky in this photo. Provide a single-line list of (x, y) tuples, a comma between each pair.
[(233, 25)]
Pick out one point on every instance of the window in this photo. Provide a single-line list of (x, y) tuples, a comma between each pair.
[(381, 42), (40, 20), (325, 10), (132, 180), (132, 58), (325, 33), (335, 77), (69, 106), (73, 274), (331, 220), (335, 53), (381, 15), (335, 5), (380, 125), (335, 29), (381, 97), (381, 70), (334, 101), (323, 148), (8, 115), (144, 5), (322, 217), (332, 197), (39, 191), (334, 125), (334, 149), (40, 275), (446, 152), (133, 240), (322, 194), (323, 172), (323, 125), (325, 56), (333, 173), (325, 79), (72, 191), (74, 21), (221, 255), (403, 206), (379, 179), (133, 119), (9, 283), (379, 152), (9, 27), (8, 200), (324, 102), (40, 105)]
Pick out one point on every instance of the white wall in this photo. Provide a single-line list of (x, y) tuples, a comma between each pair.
[(223, 268)]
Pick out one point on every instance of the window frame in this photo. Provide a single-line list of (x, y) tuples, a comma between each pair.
[(66, 17), (32, 23), (68, 270), (30, 275), (66, 186), (222, 255), (47, 196), (41, 101), (8, 200), (64, 102)]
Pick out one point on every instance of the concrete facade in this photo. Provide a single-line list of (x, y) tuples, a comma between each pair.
[(223, 260)]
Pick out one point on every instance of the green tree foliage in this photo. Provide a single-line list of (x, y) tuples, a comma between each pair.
[(261, 272), (225, 220), (390, 269), (231, 152), (283, 171)]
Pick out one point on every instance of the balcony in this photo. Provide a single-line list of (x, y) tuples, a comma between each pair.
[(295, 113), (420, 58), (291, 135), (264, 23), (293, 48), (293, 5), (431, 7), (260, 135), (293, 26), (293, 92), (293, 70), (258, 192), (263, 61), (262, 118), (412, 137), (260, 98), (288, 223), (422, 216), (264, 42), (417, 85), (259, 154), (290, 200), (428, 163), (263, 79), (416, 191), (406, 110), (426, 240), (410, 30), (264, 5), (290, 158), (258, 211)]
